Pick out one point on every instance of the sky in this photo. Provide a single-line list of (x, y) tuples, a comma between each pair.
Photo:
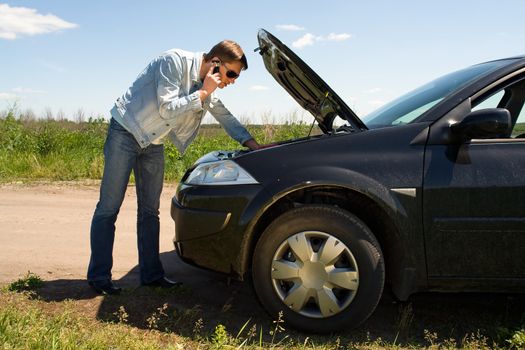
[(73, 57)]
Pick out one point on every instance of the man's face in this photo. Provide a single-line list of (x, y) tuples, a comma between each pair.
[(229, 71)]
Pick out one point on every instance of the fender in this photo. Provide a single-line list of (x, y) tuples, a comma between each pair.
[(316, 176)]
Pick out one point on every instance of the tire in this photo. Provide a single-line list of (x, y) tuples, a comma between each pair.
[(321, 266)]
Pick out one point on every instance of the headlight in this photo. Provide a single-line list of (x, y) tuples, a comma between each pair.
[(224, 172)]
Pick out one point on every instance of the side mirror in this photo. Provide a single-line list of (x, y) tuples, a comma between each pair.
[(483, 124)]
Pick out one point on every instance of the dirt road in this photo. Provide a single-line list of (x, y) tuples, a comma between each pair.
[(44, 228)]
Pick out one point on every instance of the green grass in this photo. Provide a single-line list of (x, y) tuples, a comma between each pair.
[(28, 323), (64, 150), (25, 325), (519, 128), (30, 282), (50, 149), (147, 319)]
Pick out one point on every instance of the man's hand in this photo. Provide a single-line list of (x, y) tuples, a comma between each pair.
[(210, 83), (251, 144), (268, 145)]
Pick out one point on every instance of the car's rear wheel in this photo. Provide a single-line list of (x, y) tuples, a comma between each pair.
[(321, 266)]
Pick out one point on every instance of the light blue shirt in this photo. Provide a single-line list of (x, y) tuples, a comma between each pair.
[(164, 100)]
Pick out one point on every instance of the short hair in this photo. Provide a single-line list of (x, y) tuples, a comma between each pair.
[(228, 51)]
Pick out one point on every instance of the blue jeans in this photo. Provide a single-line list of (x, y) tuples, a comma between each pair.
[(122, 153)]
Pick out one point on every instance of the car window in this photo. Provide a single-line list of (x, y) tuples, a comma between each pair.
[(516, 101), (409, 107), (519, 128), (491, 102), (407, 118)]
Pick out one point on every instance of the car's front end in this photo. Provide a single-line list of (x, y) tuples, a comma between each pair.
[(222, 197), (209, 210)]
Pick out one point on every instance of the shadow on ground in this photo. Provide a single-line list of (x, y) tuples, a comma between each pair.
[(208, 299)]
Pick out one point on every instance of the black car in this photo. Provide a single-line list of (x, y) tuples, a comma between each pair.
[(426, 194)]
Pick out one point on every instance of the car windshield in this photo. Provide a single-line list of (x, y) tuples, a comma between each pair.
[(410, 106)]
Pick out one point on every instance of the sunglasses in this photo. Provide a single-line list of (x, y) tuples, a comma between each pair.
[(230, 73)]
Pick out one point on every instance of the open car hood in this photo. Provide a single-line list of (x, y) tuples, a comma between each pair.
[(305, 86)]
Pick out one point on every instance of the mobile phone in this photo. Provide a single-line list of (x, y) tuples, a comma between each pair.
[(217, 66)]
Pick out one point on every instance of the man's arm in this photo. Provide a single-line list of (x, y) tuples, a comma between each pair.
[(232, 126)]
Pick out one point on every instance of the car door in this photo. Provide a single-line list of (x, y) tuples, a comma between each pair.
[(474, 201)]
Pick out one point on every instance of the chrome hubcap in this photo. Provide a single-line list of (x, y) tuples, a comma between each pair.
[(315, 274)]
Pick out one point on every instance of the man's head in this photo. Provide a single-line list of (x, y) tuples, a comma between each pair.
[(227, 51), (228, 55)]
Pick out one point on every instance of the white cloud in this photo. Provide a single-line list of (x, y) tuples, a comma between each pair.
[(290, 27), (337, 37), (258, 88), (306, 40), (7, 96), (309, 39), (20, 21), (21, 90)]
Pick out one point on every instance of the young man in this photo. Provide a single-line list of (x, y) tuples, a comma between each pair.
[(169, 98)]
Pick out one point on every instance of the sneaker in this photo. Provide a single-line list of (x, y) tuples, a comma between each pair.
[(106, 287)]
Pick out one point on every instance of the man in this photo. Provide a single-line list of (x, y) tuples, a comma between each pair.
[(169, 98)]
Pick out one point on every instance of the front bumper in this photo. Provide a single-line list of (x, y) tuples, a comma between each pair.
[(210, 224), (197, 223)]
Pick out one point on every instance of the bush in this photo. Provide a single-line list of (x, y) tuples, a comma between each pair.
[(30, 282)]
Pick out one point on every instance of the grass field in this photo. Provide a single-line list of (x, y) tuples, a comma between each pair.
[(33, 315), (65, 150)]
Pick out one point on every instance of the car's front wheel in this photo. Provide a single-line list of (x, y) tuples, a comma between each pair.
[(321, 266)]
